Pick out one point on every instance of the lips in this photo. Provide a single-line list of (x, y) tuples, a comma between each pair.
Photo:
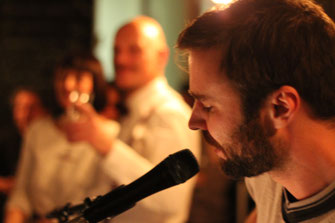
[(210, 139), (218, 148)]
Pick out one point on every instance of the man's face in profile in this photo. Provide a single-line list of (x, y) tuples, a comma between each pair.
[(243, 147)]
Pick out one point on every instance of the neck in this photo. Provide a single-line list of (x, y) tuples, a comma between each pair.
[(130, 91), (311, 163)]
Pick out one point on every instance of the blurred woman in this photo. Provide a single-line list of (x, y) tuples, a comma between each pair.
[(53, 171), (26, 107)]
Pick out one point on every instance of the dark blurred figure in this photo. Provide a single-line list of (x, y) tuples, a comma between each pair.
[(26, 107), (115, 107)]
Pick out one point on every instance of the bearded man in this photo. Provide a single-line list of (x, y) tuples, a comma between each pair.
[(263, 77)]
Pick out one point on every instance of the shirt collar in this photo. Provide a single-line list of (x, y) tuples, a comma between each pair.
[(141, 100), (301, 210)]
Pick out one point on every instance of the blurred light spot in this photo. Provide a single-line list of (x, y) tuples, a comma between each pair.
[(74, 96), (151, 31), (222, 1)]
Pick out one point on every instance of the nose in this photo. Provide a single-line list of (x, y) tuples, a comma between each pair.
[(197, 120)]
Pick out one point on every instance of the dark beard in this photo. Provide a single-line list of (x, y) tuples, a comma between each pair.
[(250, 153)]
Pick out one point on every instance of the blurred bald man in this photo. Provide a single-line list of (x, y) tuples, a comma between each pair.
[(155, 126), (141, 53)]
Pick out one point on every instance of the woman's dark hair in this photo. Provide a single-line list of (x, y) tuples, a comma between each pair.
[(79, 63)]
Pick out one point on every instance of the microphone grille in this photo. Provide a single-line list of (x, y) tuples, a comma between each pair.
[(182, 165)]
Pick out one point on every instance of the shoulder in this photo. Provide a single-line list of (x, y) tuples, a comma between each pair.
[(39, 126), (171, 112), (329, 217), (165, 108), (170, 102)]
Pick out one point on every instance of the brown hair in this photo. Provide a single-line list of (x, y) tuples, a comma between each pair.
[(83, 62), (270, 43)]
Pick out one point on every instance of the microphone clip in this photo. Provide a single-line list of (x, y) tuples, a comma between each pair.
[(64, 213)]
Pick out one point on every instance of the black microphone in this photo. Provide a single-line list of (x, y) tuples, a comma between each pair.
[(175, 169)]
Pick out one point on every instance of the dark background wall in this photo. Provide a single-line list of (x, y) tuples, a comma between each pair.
[(34, 35)]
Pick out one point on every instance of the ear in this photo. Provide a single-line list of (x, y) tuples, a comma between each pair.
[(284, 105), (163, 56)]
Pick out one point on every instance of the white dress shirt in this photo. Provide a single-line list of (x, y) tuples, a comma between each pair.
[(156, 126), (53, 171)]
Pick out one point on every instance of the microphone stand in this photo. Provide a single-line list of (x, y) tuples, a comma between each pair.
[(63, 214), (173, 170)]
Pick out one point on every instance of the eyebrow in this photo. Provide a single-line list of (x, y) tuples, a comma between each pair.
[(198, 96)]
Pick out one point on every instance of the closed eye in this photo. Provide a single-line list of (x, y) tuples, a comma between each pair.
[(207, 108)]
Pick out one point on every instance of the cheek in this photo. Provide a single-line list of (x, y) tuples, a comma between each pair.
[(221, 127), (216, 127), (148, 60)]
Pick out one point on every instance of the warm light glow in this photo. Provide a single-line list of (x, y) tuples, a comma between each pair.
[(222, 1), (74, 96), (151, 31)]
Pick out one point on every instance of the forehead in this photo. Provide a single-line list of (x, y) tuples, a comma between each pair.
[(130, 35), (206, 77), (143, 35), (128, 31), (204, 68)]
